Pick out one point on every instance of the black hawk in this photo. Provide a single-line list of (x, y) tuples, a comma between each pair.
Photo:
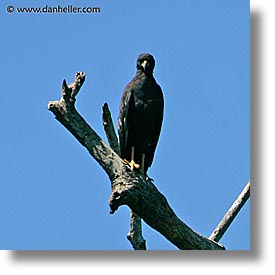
[(140, 116)]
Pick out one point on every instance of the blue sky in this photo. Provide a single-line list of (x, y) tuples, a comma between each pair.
[(53, 195)]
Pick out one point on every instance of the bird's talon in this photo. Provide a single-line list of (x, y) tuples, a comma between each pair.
[(132, 164)]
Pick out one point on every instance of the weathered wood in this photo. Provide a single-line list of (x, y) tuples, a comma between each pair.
[(109, 128), (135, 234), (128, 187), (231, 214), (65, 112)]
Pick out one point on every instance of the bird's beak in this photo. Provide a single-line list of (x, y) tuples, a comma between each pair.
[(144, 65)]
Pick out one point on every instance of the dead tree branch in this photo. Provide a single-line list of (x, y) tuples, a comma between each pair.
[(231, 214), (128, 187), (109, 128), (135, 234)]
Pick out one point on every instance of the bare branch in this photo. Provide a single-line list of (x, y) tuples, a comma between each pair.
[(65, 112), (109, 128), (135, 234), (128, 187), (231, 214)]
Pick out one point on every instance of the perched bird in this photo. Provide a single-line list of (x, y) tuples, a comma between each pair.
[(140, 116)]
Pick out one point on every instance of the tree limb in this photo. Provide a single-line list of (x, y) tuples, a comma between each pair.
[(128, 187), (135, 234), (231, 214), (109, 128)]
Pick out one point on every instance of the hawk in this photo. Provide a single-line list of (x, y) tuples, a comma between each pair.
[(140, 116)]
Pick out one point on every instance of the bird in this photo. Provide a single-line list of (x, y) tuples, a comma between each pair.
[(140, 116)]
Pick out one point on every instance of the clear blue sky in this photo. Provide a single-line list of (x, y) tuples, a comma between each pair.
[(53, 195)]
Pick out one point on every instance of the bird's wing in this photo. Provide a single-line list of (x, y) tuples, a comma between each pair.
[(157, 124), (122, 119), (160, 114)]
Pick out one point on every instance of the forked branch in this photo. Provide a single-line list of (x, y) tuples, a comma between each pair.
[(128, 187)]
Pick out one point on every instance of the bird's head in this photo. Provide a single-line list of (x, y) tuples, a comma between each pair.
[(146, 63)]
